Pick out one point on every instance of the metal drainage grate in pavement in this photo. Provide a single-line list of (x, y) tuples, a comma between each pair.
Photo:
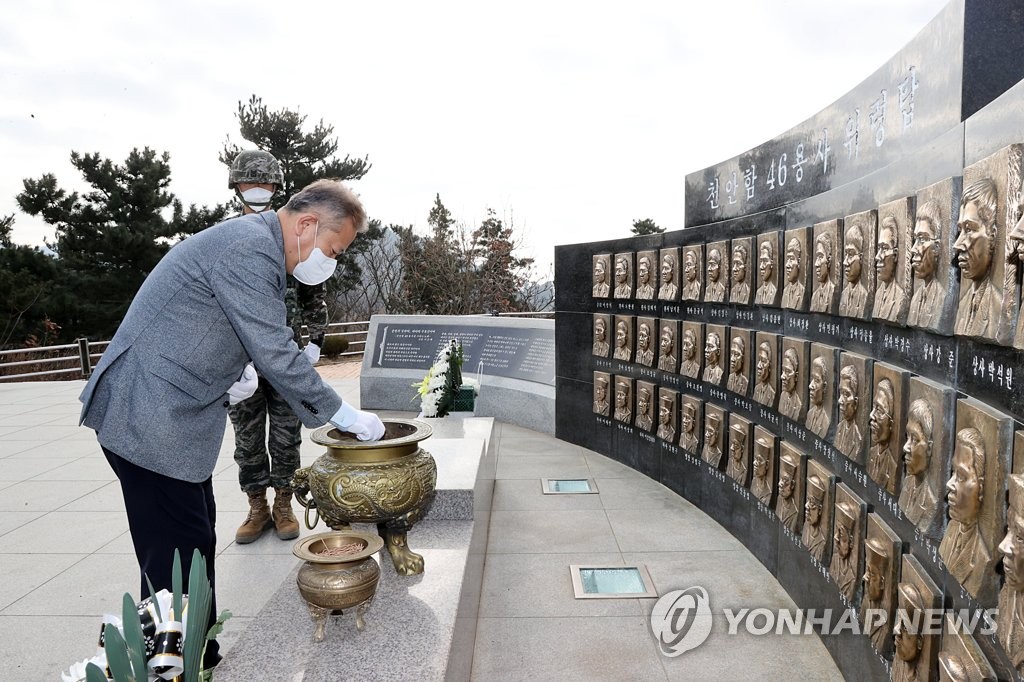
[(611, 582), (568, 486)]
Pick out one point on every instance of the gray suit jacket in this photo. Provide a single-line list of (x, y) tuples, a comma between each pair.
[(158, 395)]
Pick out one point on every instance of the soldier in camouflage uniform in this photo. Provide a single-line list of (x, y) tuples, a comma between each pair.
[(260, 171)]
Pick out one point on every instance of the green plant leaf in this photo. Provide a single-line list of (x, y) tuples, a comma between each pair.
[(94, 674), (199, 598), (176, 584), (218, 626), (156, 602), (117, 655), (133, 637)]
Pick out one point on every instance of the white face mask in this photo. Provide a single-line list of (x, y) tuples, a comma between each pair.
[(315, 269), (256, 198)]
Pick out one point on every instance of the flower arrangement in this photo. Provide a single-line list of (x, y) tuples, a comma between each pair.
[(438, 389), (156, 639)]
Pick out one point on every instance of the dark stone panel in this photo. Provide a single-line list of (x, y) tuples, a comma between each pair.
[(993, 51), (649, 453), (574, 277), (682, 474), (626, 446), (992, 374), (575, 421), (997, 125), (763, 540), (573, 356), (723, 503)]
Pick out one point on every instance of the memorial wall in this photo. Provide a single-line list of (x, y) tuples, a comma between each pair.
[(829, 358)]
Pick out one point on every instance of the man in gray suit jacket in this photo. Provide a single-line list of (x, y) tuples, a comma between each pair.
[(158, 397)]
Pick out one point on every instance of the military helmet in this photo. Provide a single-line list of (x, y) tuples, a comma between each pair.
[(257, 167)]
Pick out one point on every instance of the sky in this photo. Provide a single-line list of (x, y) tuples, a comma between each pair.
[(569, 119)]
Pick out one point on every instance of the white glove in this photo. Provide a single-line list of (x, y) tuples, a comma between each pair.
[(367, 426), (245, 386), (312, 351)]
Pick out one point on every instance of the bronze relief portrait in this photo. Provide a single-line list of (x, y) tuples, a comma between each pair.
[(668, 273), (740, 273), (668, 408), (646, 274), (892, 261), (793, 379), (623, 400), (716, 273), (691, 349), (960, 657), (738, 466), (816, 536), (602, 399), (693, 272), (933, 303), (714, 362), (601, 334), (825, 267), (790, 499), (1010, 621), (915, 647), (974, 493), (646, 410), (926, 451), (768, 269), (691, 424), (762, 479), (885, 427), (821, 389), (715, 424), (858, 254), (848, 521), (766, 369), (623, 348), (622, 275), (739, 361), (602, 275), (795, 270), (646, 343), (668, 355), (853, 396), (882, 550)]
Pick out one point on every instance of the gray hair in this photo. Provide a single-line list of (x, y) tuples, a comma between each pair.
[(332, 198)]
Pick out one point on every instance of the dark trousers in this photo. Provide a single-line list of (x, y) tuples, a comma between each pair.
[(164, 514)]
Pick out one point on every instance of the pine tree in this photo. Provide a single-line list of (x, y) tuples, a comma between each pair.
[(500, 276), (437, 268), (646, 226)]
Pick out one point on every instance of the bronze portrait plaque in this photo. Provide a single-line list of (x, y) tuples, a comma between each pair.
[(882, 550), (693, 272), (795, 270), (646, 275), (825, 267), (858, 264), (741, 274), (738, 466), (936, 285), (915, 648), (601, 334), (739, 361), (602, 399), (602, 275), (668, 409), (988, 294), (715, 338), (848, 521), (975, 496), (622, 274), (817, 531), (1010, 621), (646, 342), (691, 422), (960, 657), (646, 410), (793, 379), (766, 369), (623, 348), (762, 480), (668, 355), (885, 426), (1017, 462), (926, 452), (768, 269), (716, 421), (853, 403), (892, 261), (623, 400), (820, 389), (790, 499), (669, 275), (691, 352), (716, 272)]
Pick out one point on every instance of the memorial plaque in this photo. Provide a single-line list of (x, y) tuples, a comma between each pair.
[(916, 648), (623, 274), (646, 275), (820, 393), (692, 351), (668, 355), (825, 267), (885, 424), (714, 363), (853, 403), (845, 567), (739, 361), (716, 420), (793, 379), (645, 407), (790, 501), (623, 338), (691, 424), (602, 275), (623, 400), (768, 269), (762, 482), (646, 343), (742, 275), (882, 550), (738, 466), (960, 657), (668, 414), (716, 281), (892, 261), (936, 286), (766, 371), (817, 528), (601, 345), (1010, 621), (795, 270), (602, 400), (669, 275), (926, 451), (858, 264), (693, 272)]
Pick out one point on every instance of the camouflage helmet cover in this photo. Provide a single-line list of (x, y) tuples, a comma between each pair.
[(255, 166)]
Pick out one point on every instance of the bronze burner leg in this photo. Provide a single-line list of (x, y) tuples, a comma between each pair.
[(319, 615), (405, 560)]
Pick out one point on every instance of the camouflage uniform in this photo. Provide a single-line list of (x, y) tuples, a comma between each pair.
[(306, 305)]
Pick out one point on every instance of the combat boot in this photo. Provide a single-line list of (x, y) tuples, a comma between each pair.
[(257, 521), (285, 524)]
